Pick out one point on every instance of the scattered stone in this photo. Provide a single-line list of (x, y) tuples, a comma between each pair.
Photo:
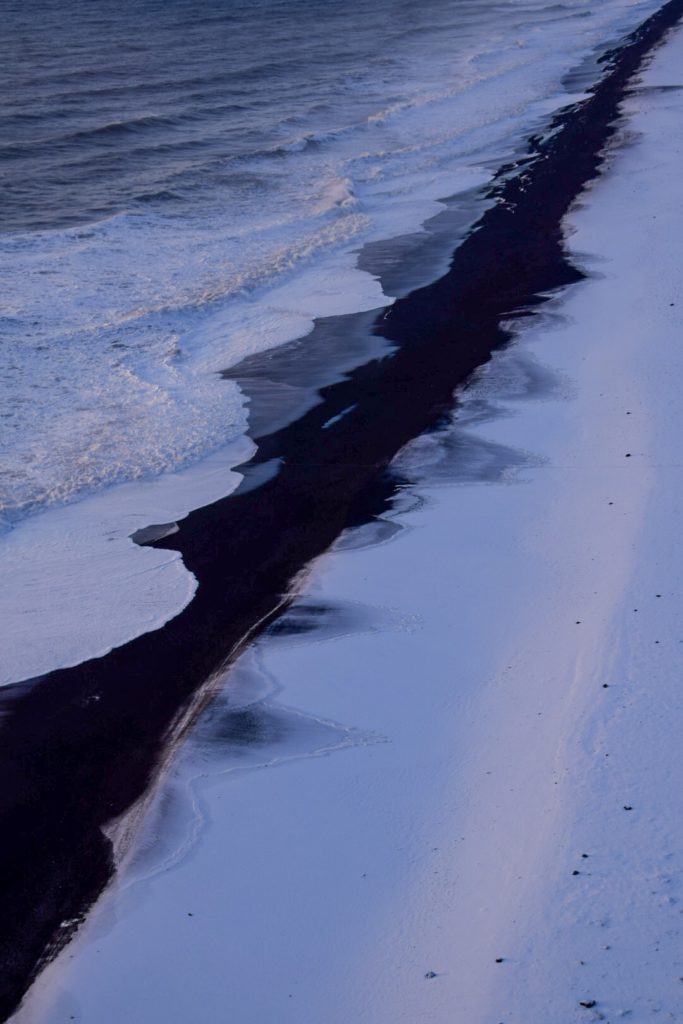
[(587, 1003), (430, 974)]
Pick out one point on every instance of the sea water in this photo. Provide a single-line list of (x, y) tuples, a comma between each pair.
[(188, 182)]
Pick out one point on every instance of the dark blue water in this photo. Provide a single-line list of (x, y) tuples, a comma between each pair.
[(108, 105)]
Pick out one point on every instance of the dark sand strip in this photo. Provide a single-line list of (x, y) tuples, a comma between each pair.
[(83, 745)]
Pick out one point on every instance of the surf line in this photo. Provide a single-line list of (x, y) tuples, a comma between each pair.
[(81, 746)]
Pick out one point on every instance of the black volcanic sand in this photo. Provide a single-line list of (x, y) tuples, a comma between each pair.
[(82, 745)]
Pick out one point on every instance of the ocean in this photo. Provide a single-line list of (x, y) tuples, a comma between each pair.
[(189, 182)]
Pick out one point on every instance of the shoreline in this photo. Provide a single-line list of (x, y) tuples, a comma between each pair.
[(442, 735), (78, 733)]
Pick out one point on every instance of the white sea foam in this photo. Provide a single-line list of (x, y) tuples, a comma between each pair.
[(112, 329)]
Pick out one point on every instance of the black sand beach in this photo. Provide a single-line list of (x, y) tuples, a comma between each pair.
[(80, 746)]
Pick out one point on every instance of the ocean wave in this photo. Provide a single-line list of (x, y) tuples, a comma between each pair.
[(169, 210)]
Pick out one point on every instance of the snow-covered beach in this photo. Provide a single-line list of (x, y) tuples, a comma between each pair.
[(451, 790)]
